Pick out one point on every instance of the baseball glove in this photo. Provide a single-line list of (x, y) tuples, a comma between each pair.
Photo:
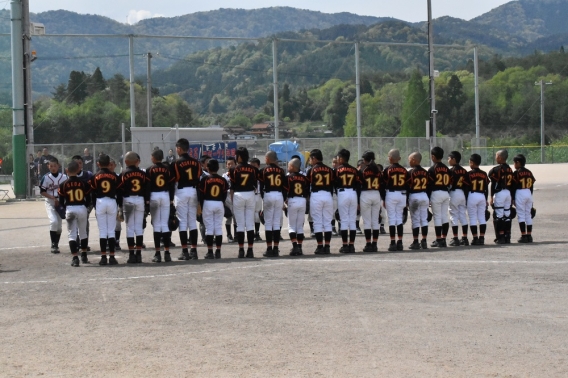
[(228, 212), (404, 215), (60, 210), (429, 218), (173, 222), (533, 212), (513, 213), (487, 215), (261, 216)]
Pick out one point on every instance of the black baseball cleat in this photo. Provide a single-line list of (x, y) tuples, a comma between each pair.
[(209, 255), (523, 239), (218, 254), (275, 252), (193, 254), (370, 248), (455, 242), (464, 241), (319, 250), (475, 241), (382, 230), (442, 243), (482, 240), (423, 244), (138, 257), (501, 240), (352, 248), (230, 239), (333, 231), (84, 258), (75, 261), (530, 238), (326, 249), (257, 237), (167, 257), (358, 231), (184, 256), (399, 245), (144, 245), (295, 252), (103, 260), (112, 260), (250, 254), (241, 253), (116, 247), (344, 249), (172, 245), (157, 257), (54, 249), (414, 245), (435, 243), (268, 253), (131, 258), (300, 252), (392, 247)]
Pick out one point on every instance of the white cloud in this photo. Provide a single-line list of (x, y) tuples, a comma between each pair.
[(138, 15)]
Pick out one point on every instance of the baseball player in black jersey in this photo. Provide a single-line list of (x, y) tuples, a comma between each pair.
[(203, 160), (502, 184), (104, 185), (119, 215), (478, 183), (458, 199), (74, 196), (440, 183), (258, 203), (212, 194), (523, 197), (298, 196), (135, 204), (186, 172), (85, 175), (348, 185), (396, 179), (372, 191), (321, 178), (274, 191), (418, 200), (244, 180), (160, 193)]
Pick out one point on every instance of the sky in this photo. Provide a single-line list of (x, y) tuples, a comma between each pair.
[(132, 11)]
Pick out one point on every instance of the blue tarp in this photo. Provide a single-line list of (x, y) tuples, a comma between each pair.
[(286, 149)]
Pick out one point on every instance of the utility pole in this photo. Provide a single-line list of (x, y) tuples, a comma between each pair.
[(476, 74), (358, 98), (433, 110), (132, 86), (18, 111), (149, 89), (275, 83), (542, 140), (28, 99)]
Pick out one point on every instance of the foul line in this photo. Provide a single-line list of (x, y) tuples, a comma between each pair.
[(298, 262)]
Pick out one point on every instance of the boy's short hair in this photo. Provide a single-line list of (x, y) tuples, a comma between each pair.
[(77, 157), (213, 165), (73, 167), (254, 161), (368, 156), (476, 159), (344, 154), (103, 160), (316, 153), (158, 154), (183, 144), (53, 159), (232, 158), (456, 155), (503, 153), (521, 159), (204, 158), (243, 153), (437, 152)]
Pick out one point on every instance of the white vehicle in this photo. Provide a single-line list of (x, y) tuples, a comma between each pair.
[(246, 137)]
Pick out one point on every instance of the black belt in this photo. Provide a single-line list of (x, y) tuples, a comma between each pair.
[(396, 190), (343, 189), (322, 190), (190, 186), (440, 190)]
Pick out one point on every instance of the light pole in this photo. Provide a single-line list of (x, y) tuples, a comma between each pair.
[(542, 84)]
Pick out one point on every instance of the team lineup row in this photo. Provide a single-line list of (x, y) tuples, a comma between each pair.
[(176, 195)]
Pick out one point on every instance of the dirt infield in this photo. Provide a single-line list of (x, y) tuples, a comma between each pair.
[(495, 311)]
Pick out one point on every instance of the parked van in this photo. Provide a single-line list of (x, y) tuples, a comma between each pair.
[(246, 137)]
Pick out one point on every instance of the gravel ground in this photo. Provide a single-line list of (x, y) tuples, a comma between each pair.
[(492, 311)]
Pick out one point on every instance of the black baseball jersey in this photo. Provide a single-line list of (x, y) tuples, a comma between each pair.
[(213, 188), (440, 177), (478, 181), (523, 179), (273, 179), (75, 192), (244, 178), (298, 185), (371, 178), (419, 180), (396, 178), (104, 184), (347, 177), (160, 179), (321, 178), (459, 178), (134, 182), (186, 171), (501, 177)]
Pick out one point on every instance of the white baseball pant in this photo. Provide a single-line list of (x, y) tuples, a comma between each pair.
[(395, 203), (476, 206), (370, 204), (347, 205), (258, 207), (160, 211), (524, 204), (185, 201), (213, 212), (133, 208), (458, 207), (296, 214), (55, 221), (76, 217), (105, 212), (440, 201), (243, 210), (502, 203), (321, 209), (272, 205), (418, 209)]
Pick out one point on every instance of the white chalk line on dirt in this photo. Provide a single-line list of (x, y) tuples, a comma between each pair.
[(290, 262)]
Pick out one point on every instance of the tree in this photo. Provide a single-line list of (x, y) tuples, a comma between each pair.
[(183, 113), (118, 92), (415, 108), (77, 87), (60, 93), (96, 82), (452, 98)]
